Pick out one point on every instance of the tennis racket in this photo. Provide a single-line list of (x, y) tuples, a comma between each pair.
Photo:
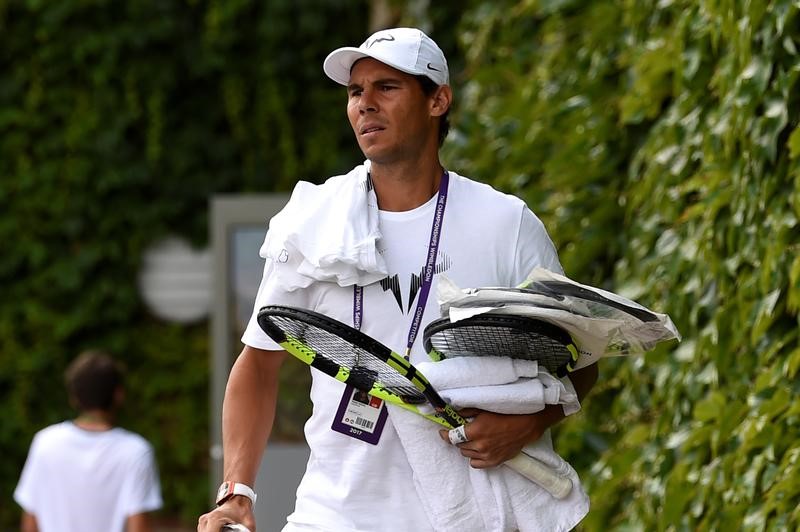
[(555, 292), (502, 335), (354, 358)]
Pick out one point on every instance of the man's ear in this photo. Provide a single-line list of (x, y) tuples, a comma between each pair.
[(119, 396), (441, 100), (73, 403)]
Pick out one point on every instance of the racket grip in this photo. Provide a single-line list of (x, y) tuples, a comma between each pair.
[(535, 471), (234, 527)]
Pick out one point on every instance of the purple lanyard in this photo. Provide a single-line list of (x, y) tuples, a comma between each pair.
[(427, 276), (358, 305)]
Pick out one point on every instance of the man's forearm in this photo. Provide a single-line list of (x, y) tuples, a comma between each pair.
[(248, 412), (582, 380), (138, 523), (28, 523)]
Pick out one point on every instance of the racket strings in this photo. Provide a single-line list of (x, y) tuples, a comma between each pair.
[(365, 368), (478, 340)]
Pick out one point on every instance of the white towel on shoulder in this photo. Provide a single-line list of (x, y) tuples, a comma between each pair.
[(459, 498), (327, 232)]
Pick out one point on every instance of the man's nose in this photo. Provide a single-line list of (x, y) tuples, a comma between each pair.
[(367, 101)]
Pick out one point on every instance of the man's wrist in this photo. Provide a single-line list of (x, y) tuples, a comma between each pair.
[(240, 502), (235, 491), (544, 419)]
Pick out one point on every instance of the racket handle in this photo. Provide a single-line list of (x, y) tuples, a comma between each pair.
[(234, 527), (535, 471)]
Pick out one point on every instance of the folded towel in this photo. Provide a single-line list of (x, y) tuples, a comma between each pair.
[(459, 498), (514, 398), (509, 386), (460, 372), (327, 232)]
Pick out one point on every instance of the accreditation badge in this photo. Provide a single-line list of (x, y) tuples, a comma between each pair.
[(360, 416)]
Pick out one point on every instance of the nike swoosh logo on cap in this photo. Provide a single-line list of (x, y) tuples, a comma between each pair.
[(389, 38), (430, 67)]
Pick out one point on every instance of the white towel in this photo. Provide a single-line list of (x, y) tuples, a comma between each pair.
[(460, 372), (509, 386), (459, 498), (327, 232)]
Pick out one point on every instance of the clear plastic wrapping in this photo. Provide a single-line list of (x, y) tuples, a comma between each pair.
[(600, 322)]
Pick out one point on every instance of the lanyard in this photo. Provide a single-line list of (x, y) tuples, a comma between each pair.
[(427, 276), (358, 305)]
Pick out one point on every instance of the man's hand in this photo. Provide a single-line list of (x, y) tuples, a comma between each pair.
[(237, 509), (247, 415), (495, 438)]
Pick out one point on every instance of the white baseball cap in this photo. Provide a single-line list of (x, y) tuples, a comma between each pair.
[(406, 49)]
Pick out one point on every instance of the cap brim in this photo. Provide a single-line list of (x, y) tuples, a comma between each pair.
[(339, 62)]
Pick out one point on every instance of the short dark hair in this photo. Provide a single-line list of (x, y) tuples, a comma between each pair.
[(429, 87), (92, 380)]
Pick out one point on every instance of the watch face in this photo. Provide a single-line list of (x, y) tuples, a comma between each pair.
[(224, 489)]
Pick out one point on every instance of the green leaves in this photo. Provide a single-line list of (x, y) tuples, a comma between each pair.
[(659, 143), (794, 143)]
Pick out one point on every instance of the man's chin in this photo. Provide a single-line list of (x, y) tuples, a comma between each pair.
[(377, 157)]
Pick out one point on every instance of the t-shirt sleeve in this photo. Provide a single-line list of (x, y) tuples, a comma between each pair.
[(142, 491), (534, 248), (25, 492), (270, 293)]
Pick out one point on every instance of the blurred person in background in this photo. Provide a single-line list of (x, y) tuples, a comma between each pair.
[(87, 474)]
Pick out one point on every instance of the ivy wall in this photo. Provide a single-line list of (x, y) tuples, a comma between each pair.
[(659, 142)]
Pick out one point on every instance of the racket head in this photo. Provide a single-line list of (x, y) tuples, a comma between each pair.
[(352, 357), (518, 337), (597, 303)]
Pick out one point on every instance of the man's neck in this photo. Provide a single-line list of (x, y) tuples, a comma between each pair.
[(95, 420), (405, 187)]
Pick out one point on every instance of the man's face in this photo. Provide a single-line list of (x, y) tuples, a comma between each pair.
[(389, 113)]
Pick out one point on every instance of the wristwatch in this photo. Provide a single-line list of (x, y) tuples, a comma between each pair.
[(228, 489)]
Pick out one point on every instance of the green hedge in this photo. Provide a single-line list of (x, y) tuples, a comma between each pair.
[(118, 121), (659, 142)]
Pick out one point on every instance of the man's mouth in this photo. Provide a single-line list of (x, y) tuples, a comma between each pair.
[(370, 129)]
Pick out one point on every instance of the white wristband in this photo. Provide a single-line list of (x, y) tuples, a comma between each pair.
[(229, 488)]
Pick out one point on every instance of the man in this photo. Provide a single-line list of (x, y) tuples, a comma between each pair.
[(398, 100), (87, 474)]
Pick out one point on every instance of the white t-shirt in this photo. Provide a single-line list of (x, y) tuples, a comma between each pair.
[(76, 480), (487, 239)]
